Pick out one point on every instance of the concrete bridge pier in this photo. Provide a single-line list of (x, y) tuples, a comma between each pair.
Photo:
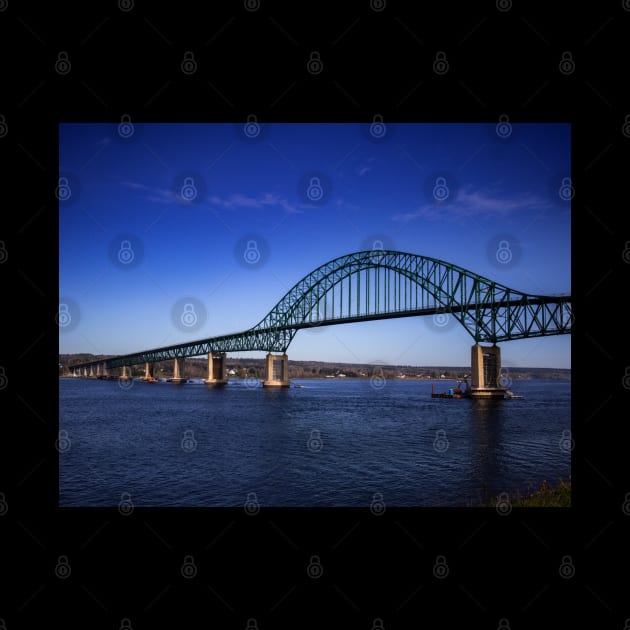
[(85, 372), (217, 370), (105, 371), (98, 371), (486, 372), (277, 371), (125, 374), (91, 371), (148, 371), (178, 371)]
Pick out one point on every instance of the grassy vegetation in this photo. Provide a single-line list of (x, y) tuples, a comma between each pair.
[(546, 496)]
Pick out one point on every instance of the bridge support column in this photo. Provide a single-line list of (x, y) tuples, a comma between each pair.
[(85, 372), (148, 371), (485, 372), (178, 370), (277, 371), (91, 371), (98, 371), (217, 373), (125, 374)]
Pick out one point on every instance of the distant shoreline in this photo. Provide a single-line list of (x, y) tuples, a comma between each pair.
[(355, 378), (321, 370)]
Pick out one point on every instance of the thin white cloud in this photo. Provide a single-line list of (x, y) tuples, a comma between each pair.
[(239, 200), (364, 165), (342, 204), (474, 203), (234, 201), (159, 195)]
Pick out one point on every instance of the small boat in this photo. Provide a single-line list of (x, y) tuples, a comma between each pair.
[(510, 394), (151, 380), (453, 392)]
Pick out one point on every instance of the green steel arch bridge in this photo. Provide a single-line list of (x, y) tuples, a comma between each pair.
[(381, 284)]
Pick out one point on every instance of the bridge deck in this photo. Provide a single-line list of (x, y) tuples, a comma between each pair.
[(376, 285)]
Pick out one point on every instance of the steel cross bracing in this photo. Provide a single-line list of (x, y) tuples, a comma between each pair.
[(381, 284)]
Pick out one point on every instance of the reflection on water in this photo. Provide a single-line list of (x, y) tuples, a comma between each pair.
[(486, 438), (329, 443)]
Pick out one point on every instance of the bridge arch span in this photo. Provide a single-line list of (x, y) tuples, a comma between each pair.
[(383, 284), (390, 284)]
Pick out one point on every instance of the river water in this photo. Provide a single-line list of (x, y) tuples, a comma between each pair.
[(332, 442)]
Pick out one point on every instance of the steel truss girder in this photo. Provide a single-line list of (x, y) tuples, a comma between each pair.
[(489, 311)]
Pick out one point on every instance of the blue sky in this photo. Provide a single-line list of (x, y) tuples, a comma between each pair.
[(156, 218)]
